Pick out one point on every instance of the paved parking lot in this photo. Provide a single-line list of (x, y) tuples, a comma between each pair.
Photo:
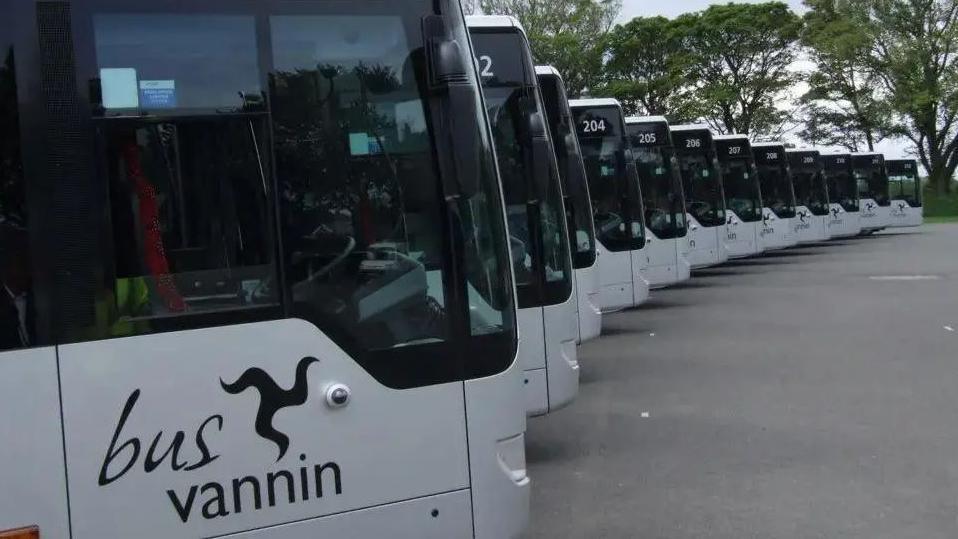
[(810, 393)]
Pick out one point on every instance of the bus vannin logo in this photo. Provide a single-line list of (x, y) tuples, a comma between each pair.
[(767, 228), (273, 399)]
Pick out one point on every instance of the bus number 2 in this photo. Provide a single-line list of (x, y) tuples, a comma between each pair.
[(486, 67)]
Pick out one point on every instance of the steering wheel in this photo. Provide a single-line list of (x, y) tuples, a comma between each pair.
[(321, 240), (658, 219), (699, 208)]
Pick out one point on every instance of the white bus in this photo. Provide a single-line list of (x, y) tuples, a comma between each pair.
[(704, 195), (778, 194), (873, 189), (535, 210), (578, 202), (663, 199), (746, 212), (844, 203), (811, 196), (906, 198), (254, 283), (616, 202)]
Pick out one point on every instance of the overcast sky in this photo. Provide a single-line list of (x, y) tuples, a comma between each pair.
[(672, 8)]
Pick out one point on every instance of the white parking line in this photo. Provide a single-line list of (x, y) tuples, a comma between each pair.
[(949, 328), (905, 277)]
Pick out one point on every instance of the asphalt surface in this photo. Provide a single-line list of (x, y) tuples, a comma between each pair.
[(810, 393)]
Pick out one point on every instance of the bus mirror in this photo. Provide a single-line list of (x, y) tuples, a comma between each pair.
[(445, 56), (542, 154), (460, 112), (458, 99), (634, 192), (537, 126)]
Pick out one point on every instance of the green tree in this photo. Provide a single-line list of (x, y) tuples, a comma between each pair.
[(567, 34), (646, 69), (845, 104), (914, 53), (742, 65)]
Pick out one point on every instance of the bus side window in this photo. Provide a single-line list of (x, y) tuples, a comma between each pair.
[(17, 309), (185, 159)]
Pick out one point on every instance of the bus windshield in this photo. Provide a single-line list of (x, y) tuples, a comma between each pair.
[(661, 191), (872, 180), (616, 204), (904, 182), (842, 186), (701, 179), (811, 190), (205, 124), (537, 223), (569, 159), (777, 191), (742, 188), (743, 194)]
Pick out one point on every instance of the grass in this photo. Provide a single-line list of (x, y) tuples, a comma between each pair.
[(942, 219), (941, 208)]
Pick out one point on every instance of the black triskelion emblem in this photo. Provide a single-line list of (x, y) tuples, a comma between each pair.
[(273, 399)]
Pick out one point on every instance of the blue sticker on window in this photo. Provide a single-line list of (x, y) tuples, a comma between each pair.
[(158, 94), (362, 144)]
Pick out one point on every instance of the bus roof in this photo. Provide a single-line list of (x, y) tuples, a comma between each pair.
[(595, 102), (646, 120), (732, 137), (494, 21), (690, 127), (897, 161), (803, 151), (548, 70)]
